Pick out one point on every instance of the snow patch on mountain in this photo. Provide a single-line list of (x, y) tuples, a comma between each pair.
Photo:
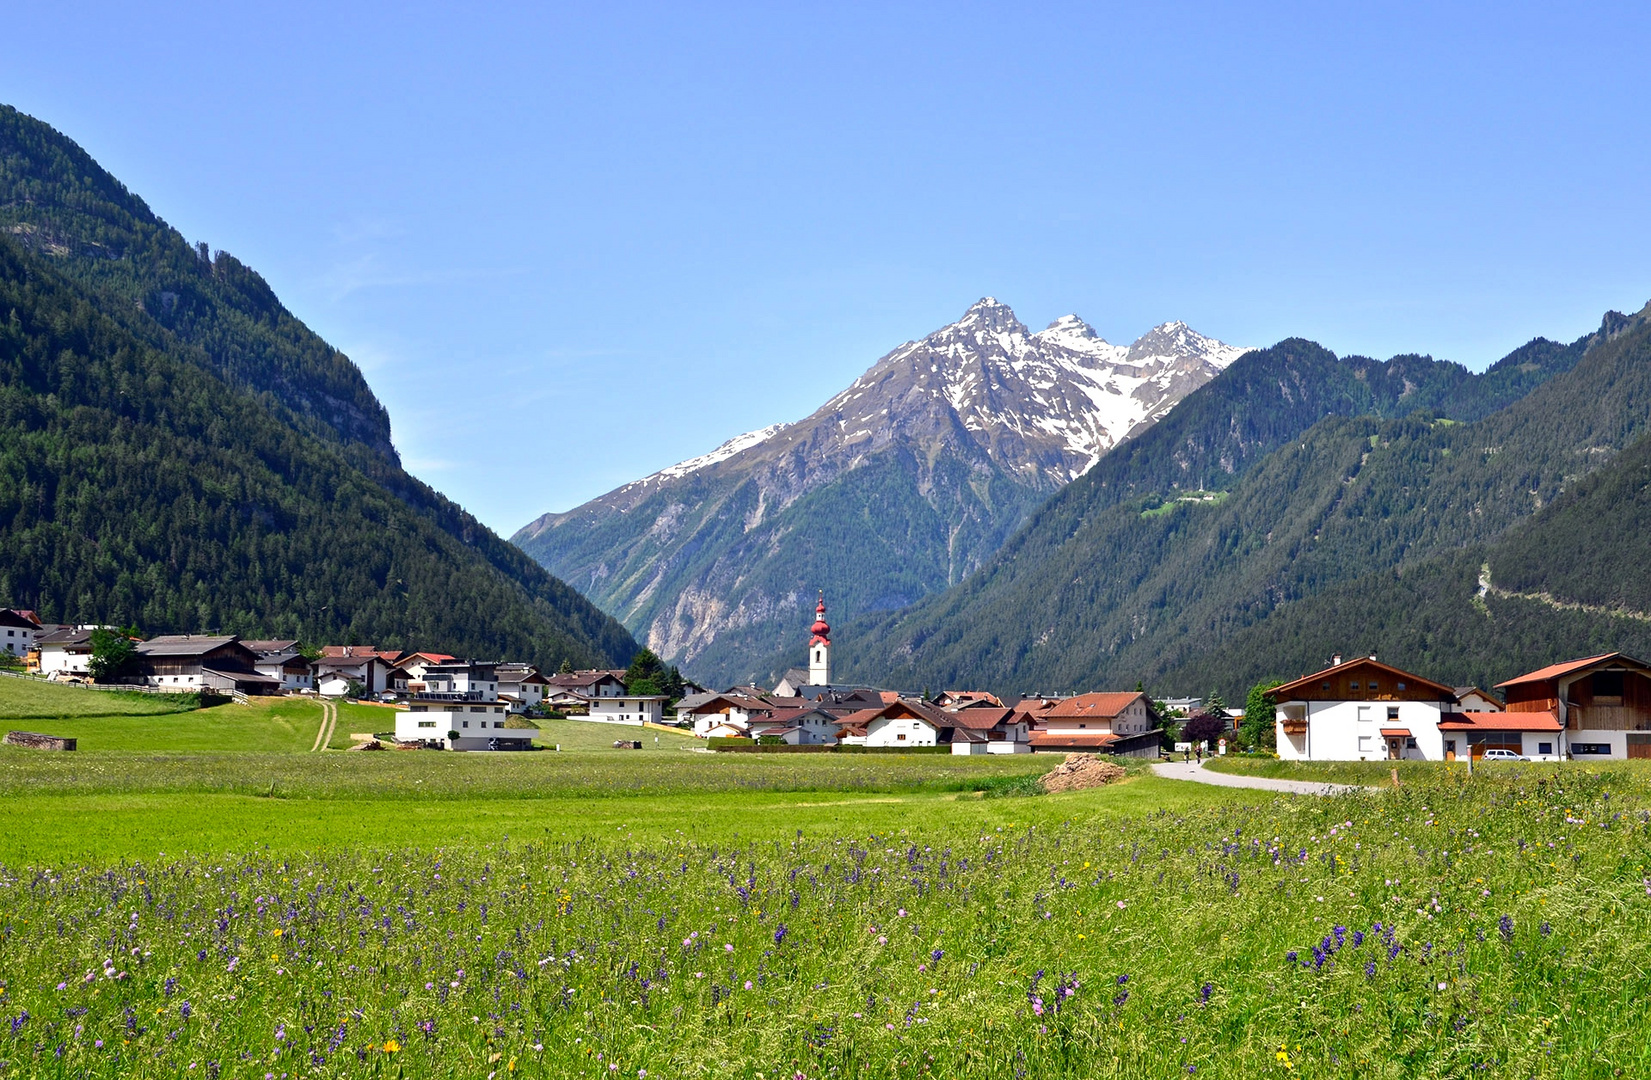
[(737, 444)]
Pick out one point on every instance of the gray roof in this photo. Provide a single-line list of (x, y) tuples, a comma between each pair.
[(272, 646), (184, 644), (66, 635)]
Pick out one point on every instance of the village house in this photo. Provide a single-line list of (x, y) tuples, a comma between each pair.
[(188, 662), (1473, 699), (1362, 710), (20, 628), (1596, 707), (521, 686), (64, 651), (364, 665), (460, 707), (1108, 723), (705, 712), (573, 690), (633, 709), (798, 727), (953, 700), (905, 722), (281, 660), (984, 729), (414, 663)]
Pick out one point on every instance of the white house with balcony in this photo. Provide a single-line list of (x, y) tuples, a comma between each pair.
[(460, 709), (1362, 710)]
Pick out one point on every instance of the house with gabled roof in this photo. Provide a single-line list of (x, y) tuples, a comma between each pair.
[(1598, 706), (281, 660), (1362, 710), (904, 722), (983, 729), (1108, 723), (190, 662), (798, 727), (18, 630), (737, 712)]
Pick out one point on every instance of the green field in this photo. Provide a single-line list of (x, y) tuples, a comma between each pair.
[(668, 913), (23, 699)]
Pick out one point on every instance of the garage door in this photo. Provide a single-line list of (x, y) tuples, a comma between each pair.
[(1639, 745)]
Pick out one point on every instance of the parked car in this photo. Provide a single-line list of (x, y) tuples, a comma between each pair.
[(1503, 755)]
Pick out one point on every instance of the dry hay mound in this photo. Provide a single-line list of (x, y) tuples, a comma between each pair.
[(1081, 771)]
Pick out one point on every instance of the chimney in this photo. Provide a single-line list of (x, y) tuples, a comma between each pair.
[(1335, 661)]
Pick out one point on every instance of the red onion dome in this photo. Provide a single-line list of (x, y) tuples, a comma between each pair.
[(821, 629)]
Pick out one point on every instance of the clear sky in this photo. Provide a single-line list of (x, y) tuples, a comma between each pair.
[(572, 244)]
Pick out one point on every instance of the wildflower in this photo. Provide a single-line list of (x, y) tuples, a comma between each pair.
[(728, 948), (779, 933), (1504, 926), (390, 1046)]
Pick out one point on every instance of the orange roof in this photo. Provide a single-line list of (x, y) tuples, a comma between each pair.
[(1556, 671), (1086, 706), (1395, 733), (983, 718), (1283, 692), (1499, 721), (1055, 740)]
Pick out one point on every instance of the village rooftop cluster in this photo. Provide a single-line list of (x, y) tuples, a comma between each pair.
[(1358, 710)]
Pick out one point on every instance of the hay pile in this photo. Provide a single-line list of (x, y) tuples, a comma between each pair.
[(1081, 771)]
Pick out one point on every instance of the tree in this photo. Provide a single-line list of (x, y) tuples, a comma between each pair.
[(112, 652), (566, 668), (1258, 729), (1214, 703), (1205, 727), (648, 674)]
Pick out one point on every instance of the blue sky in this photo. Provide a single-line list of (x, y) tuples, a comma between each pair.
[(573, 244)]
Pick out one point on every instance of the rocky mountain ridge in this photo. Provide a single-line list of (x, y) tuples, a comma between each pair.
[(915, 473)]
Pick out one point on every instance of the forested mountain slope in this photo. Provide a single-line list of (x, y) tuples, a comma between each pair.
[(180, 452), (1570, 582), (1099, 590), (896, 487)]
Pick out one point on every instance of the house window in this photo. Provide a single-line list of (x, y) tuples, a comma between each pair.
[(1401, 686), (1595, 748), (901, 736), (1450, 746), (1392, 713), (426, 723), (1608, 688), (467, 723), (1544, 747), (1410, 744), (1364, 744)]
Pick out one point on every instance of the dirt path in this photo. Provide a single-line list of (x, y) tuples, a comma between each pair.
[(1194, 771), (329, 722)]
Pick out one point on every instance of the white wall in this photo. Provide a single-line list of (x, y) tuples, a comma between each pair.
[(1352, 730), (433, 726), (634, 711), (885, 731), (56, 658)]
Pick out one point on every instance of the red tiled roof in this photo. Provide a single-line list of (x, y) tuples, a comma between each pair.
[(1088, 706), (1556, 671), (1055, 740), (1499, 721), (1395, 733), (982, 718)]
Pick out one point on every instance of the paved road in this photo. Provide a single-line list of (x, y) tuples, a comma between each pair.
[(1192, 770)]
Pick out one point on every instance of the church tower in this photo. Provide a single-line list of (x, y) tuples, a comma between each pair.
[(819, 648)]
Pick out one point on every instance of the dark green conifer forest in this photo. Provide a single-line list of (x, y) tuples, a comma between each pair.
[(181, 453)]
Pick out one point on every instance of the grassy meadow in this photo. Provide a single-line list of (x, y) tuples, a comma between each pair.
[(669, 913)]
